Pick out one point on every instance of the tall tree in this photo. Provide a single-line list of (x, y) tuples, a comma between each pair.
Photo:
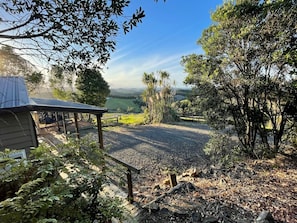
[(70, 32), (245, 78), (12, 64), (93, 89), (61, 82), (158, 97)]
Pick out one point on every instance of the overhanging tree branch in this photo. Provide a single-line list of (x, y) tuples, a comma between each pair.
[(17, 27), (78, 32), (28, 36)]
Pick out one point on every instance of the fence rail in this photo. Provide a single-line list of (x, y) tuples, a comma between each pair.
[(193, 118), (128, 170), (111, 120)]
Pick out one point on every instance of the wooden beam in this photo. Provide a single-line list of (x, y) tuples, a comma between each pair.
[(128, 166)]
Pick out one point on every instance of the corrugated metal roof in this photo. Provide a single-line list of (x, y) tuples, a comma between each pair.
[(13, 92), (14, 97), (41, 104)]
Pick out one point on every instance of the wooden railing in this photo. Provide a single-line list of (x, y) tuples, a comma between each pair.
[(111, 120), (193, 118), (128, 171)]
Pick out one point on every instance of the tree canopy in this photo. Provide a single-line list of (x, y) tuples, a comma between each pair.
[(93, 89), (246, 78), (72, 33)]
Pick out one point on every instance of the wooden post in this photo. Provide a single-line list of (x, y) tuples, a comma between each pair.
[(99, 129), (36, 120), (57, 120), (64, 124), (76, 126), (172, 178), (130, 186)]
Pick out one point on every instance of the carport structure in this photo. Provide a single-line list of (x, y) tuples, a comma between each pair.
[(16, 123), (53, 105)]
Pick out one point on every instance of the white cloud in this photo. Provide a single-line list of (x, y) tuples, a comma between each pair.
[(126, 72)]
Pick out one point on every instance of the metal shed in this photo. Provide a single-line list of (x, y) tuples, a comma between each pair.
[(17, 128)]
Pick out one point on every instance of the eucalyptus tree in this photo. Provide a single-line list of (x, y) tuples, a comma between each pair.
[(158, 96), (247, 75)]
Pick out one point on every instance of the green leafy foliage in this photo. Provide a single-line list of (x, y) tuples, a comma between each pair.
[(93, 89), (62, 94), (58, 185), (183, 107), (222, 150), (245, 78)]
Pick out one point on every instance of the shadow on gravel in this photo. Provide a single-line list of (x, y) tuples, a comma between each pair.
[(165, 145)]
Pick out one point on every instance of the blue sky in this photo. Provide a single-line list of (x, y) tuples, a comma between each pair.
[(169, 31)]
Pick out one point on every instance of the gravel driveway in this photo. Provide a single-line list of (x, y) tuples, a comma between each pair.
[(157, 148)]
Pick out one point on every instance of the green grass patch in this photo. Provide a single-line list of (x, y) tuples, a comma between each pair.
[(132, 119), (122, 105)]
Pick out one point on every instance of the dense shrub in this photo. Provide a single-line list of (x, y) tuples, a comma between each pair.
[(57, 185), (222, 150)]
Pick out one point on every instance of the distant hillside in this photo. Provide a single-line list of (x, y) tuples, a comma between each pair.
[(136, 92), (183, 92), (126, 92)]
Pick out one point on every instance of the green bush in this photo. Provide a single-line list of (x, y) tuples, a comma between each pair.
[(57, 185), (222, 150), (291, 137)]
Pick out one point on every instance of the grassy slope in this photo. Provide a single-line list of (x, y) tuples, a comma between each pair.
[(121, 100), (122, 105)]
